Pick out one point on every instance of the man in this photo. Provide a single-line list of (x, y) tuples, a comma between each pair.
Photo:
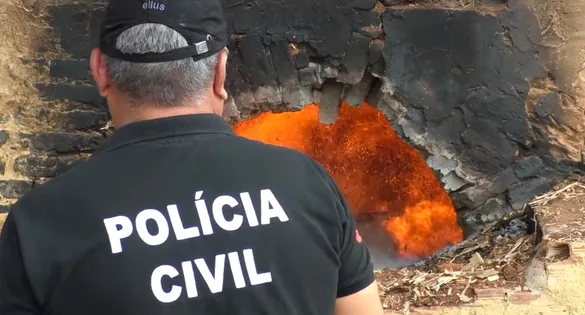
[(174, 214)]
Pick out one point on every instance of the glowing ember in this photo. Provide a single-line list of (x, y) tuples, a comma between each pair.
[(375, 169)]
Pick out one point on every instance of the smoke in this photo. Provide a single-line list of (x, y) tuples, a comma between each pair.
[(381, 246)]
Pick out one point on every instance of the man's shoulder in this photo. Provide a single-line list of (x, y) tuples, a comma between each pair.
[(61, 188), (276, 150)]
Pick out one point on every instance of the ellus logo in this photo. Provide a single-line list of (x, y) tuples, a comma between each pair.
[(153, 5)]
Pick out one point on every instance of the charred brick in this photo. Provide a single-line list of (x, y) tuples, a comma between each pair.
[(522, 194), (86, 120), (248, 19), (70, 69), (36, 166), (547, 105), (368, 24), (362, 4), (310, 75), (3, 137), (286, 73), (65, 163), (2, 167), (330, 102), (528, 167), (70, 23), (63, 142), (395, 2), (13, 189), (375, 51), (95, 22), (302, 58), (486, 154), (357, 94), (236, 83), (355, 61), (86, 94), (256, 67), (441, 70)]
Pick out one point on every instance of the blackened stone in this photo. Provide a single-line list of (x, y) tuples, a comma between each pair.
[(528, 166), (302, 58), (362, 4), (70, 69), (2, 167), (328, 71), (395, 2), (502, 181), (336, 62), (330, 102), (296, 98), (475, 196), (3, 137), (95, 22), (492, 210), (375, 51), (355, 61), (38, 64), (486, 148), (310, 75), (441, 70), (4, 208), (256, 67), (358, 92), (86, 120), (521, 195), (248, 19), (367, 23), (70, 23), (36, 166), (63, 142), (282, 58), (547, 105), (65, 163), (86, 94), (236, 83), (13, 189)]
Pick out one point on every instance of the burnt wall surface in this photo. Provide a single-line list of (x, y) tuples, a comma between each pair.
[(457, 80)]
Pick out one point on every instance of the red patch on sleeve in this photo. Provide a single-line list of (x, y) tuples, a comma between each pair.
[(358, 237)]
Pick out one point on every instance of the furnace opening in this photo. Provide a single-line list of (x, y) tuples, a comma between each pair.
[(386, 182)]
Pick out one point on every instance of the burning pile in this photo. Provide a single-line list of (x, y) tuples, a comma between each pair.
[(376, 170)]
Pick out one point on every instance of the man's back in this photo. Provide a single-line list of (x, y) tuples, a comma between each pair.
[(179, 216)]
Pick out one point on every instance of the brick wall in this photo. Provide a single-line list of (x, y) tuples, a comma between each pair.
[(52, 116)]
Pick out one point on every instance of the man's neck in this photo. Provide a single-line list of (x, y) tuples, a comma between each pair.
[(142, 112)]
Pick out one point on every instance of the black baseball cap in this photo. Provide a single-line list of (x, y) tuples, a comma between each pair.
[(201, 22)]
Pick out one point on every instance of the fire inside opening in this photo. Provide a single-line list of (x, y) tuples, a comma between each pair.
[(377, 171)]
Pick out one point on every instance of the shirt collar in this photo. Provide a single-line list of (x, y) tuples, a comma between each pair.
[(154, 129)]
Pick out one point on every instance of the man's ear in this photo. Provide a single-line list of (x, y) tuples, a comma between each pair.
[(97, 64), (220, 75)]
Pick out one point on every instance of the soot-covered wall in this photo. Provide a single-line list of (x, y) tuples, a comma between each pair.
[(462, 82)]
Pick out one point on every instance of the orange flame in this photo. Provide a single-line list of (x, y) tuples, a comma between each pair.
[(376, 170)]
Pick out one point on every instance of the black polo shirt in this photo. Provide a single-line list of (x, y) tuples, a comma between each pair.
[(180, 216)]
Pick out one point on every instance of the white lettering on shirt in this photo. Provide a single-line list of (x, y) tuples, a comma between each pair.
[(228, 214), (214, 281), (156, 284)]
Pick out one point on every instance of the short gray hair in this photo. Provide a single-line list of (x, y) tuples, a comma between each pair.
[(161, 84)]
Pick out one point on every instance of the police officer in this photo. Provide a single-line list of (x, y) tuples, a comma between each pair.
[(175, 214)]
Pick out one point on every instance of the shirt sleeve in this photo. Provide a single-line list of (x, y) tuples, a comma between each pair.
[(357, 271), (16, 296)]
